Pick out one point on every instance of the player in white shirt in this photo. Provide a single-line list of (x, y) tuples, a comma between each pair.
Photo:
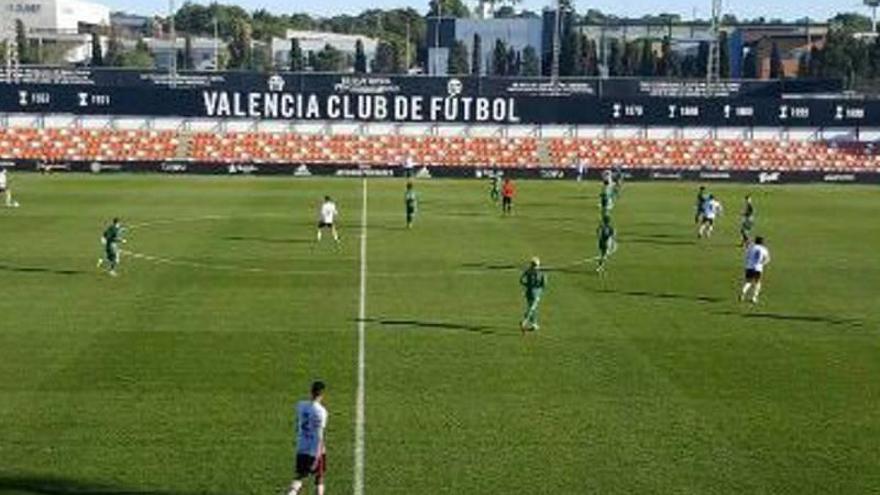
[(711, 209), (311, 420), (757, 258), (327, 218), (5, 190)]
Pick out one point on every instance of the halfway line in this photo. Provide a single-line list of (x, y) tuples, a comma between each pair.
[(361, 365)]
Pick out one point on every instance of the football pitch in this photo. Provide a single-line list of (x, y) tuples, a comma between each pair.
[(179, 376)]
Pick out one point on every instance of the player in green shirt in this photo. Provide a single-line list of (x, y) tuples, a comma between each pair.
[(607, 242), (702, 197), (748, 220), (495, 192), (606, 201), (533, 281), (412, 203), (111, 238)]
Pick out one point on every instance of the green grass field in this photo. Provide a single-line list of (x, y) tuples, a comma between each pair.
[(180, 375)]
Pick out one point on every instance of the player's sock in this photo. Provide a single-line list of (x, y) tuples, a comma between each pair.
[(756, 292), (319, 488), (745, 290), (319, 235), (295, 487)]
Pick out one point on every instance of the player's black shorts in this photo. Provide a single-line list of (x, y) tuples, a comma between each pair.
[(304, 464), (753, 275), (2, 190), (325, 225), (708, 221), (507, 200)]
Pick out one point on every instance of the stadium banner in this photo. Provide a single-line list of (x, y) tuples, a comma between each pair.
[(305, 170), (421, 99)]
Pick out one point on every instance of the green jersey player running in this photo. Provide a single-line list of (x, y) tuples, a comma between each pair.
[(411, 200), (702, 198), (111, 238), (607, 243), (748, 221), (533, 282), (606, 201), (495, 192)]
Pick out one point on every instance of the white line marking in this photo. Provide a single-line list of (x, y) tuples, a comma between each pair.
[(361, 365)]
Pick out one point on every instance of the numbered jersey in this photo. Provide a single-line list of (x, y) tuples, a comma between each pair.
[(328, 213), (311, 419), (757, 257)]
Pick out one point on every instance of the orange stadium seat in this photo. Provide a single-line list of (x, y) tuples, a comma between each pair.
[(236, 147)]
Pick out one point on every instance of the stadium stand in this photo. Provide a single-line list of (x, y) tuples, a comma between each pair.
[(77, 144)]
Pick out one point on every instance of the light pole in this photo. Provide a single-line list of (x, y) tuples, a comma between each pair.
[(873, 4), (557, 29), (216, 46), (438, 16), (173, 35)]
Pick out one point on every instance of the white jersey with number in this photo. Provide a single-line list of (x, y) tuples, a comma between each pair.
[(2, 178), (311, 419), (328, 212), (712, 209), (757, 257)]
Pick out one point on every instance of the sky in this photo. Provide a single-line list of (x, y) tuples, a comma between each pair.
[(785, 9)]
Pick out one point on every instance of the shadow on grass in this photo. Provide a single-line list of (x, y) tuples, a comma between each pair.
[(436, 325), (659, 240), (490, 266), (662, 295), (37, 269), (267, 240), (48, 485), (825, 320)]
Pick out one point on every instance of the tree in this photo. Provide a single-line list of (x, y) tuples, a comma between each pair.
[(296, 56), (631, 58), (803, 70), (24, 51), (240, 45), (448, 8), (505, 12), (615, 58), (113, 57), (850, 22), (724, 55), (360, 58), (140, 57), (386, 61), (531, 65), (477, 55), (512, 62), (648, 62), (97, 51), (457, 63), (499, 58), (592, 66), (703, 59), (750, 63), (671, 60), (776, 69), (261, 59), (329, 59), (570, 62), (189, 59)]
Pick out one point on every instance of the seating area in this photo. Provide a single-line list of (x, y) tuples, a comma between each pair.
[(88, 144), (370, 150), (718, 154), (76, 144)]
